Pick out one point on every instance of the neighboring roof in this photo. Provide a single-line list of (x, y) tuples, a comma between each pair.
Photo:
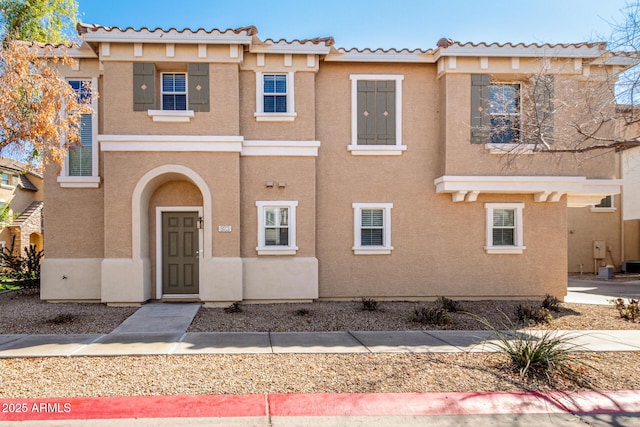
[(315, 46), (448, 47), (27, 214), (21, 169)]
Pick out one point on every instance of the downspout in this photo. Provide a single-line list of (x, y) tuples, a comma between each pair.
[(622, 240)]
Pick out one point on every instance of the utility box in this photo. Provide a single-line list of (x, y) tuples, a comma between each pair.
[(599, 249), (605, 273)]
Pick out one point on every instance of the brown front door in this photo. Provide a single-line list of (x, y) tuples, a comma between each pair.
[(180, 253)]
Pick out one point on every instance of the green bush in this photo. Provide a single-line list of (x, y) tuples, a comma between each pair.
[(548, 355), (551, 303), (629, 311), (23, 271), (448, 304), (434, 315), (531, 316), (369, 304)]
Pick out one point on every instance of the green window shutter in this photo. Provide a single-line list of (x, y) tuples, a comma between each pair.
[(144, 86), (376, 112), (480, 108), (198, 87), (544, 92)]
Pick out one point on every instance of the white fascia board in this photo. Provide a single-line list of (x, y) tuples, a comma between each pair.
[(280, 148), (170, 143), (161, 37), (380, 57), (290, 48), (522, 51), (580, 191)]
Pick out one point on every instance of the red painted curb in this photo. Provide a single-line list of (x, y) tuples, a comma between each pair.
[(375, 404), (94, 408)]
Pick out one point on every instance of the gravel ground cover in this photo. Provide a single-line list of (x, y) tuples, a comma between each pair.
[(27, 314), (292, 373)]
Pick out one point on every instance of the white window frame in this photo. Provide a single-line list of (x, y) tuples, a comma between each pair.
[(291, 248), (260, 115), (376, 150), (386, 248), (518, 246), (513, 143), (92, 181), (186, 91), (611, 208)]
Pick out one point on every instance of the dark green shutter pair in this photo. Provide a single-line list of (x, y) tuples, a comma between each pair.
[(543, 94), (376, 112), (144, 86)]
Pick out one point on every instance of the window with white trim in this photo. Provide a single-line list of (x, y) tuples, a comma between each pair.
[(81, 163), (275, 97), (372, 228), (174, 91), (505, 113), (276, 227), (504, 228), (376, 114), (605, 205)]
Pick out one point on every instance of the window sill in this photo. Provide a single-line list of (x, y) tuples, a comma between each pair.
[(277, 250), (275, 117), (504, 250), (377, 150), (171, 116), (79, 181), (602, 210), (7, 187), (515, 149), (372, 250)]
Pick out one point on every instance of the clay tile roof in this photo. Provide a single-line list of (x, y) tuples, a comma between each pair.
[(385, 51), (83, 28), (602, 45), (327, 41)]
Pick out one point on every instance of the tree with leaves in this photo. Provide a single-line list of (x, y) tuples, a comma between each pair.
[(38, 108)]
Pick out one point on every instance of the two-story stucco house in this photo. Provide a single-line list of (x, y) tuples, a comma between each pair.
[(221, 167), (21, 195)]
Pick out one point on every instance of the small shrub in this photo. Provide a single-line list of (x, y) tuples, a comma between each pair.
[(629, 311), (369, 304), (448, 304), (531, 316), (61, 319), (434, 315), (545, 356), (551, 303), (303, 312), (234, 308)]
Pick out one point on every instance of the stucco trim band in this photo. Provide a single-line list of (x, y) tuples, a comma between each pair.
[(281, 148), (170, 143), (580, 191)]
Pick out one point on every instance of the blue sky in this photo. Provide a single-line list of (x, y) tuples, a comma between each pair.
[(373, 23)]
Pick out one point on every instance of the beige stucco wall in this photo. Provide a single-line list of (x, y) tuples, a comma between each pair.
[(632, 240), (438, 244), (586, 226), (299, 175), (119, 117), (302, 128), (465, 158)]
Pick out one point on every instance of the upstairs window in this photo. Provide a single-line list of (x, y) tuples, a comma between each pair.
[(275, 97), (174, 91), (605, 205), (80, 160), (505, 113), (275, 93)]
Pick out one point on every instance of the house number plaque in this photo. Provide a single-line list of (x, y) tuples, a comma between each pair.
[(224, 229)]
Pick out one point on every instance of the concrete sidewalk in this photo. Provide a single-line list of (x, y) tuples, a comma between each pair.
[(141, 343), (160, 329)]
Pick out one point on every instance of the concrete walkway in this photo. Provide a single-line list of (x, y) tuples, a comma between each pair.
[(160, 329)]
